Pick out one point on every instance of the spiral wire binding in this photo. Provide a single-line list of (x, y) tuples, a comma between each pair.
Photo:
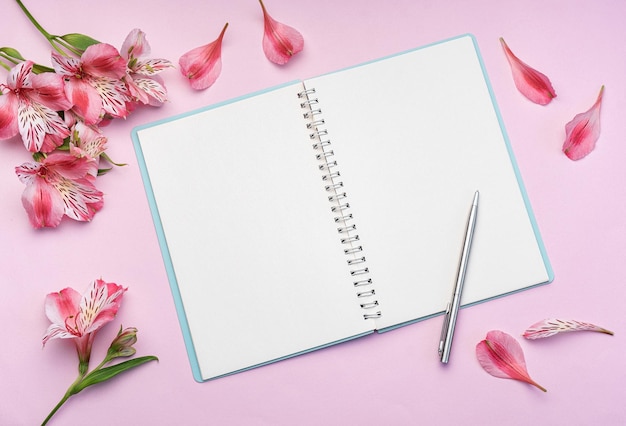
[(347, 230)]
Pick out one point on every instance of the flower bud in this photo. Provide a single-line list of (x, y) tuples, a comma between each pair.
[(122, 345)]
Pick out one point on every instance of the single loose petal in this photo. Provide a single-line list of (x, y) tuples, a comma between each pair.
[(203, 64), (280, 41), (501, 356), (582, 133), (530, 82), (550, 327)]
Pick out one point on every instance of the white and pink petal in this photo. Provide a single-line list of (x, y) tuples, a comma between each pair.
[(135, 45), (61, 305), (35, 122), (113, 96), (81, 199), (42, 203), (152, 66), (99, 305), (155, 91), (66, 65)]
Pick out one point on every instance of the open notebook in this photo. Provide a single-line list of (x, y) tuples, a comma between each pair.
[(325, 209)]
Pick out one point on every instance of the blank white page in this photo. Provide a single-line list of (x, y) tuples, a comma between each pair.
[(414, 136), (258, 262)]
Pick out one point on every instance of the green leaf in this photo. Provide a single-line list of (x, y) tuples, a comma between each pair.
[(79, 41), (108, 159), (103, 374), (13, 53), (38, 69)]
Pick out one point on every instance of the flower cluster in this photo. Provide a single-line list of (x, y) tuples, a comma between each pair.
[(78, 317), (582, 132), (59, 111)]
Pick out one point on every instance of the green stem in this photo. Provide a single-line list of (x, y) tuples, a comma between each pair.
[(8, 58), (70, 391), (34, 21), (55, 409), (54, 40)]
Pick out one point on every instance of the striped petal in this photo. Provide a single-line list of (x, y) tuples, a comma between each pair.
[(550, 327), (35, 122), (98, 306), (151, 66), (113, 95), (501, 356)]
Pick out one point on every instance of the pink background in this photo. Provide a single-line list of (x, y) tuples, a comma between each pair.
[(394, 378)]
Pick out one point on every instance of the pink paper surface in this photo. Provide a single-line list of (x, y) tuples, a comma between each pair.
[(394, 378)]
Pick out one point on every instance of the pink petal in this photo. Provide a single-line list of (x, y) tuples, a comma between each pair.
[(113, 95), (203, 64), (49, 90), (552, 326), (99, 305), (20, 76), (86, 100), (280, 41), (59, 307), (42, 203), (66, 65), (150, 90), (62, 304), (67, 165), (582, 133), (501, 356), (81, 199), (152, 66), (103, 60), (35, 122), (8, 115), (135, 45), (88, 140), (530, 82)]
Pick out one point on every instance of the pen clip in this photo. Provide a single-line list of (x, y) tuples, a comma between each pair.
[(444, 329)]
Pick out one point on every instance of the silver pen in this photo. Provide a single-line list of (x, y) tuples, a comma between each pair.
[(452, 310)]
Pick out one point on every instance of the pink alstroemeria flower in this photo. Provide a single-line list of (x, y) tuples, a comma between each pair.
[(76, 316), (61, 184), (87, 141), (280, 41), (582, 133), (530, 82), (144, 84), (550, 327), (29, 105), (502, 356), (203, 64), (94, 83)]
